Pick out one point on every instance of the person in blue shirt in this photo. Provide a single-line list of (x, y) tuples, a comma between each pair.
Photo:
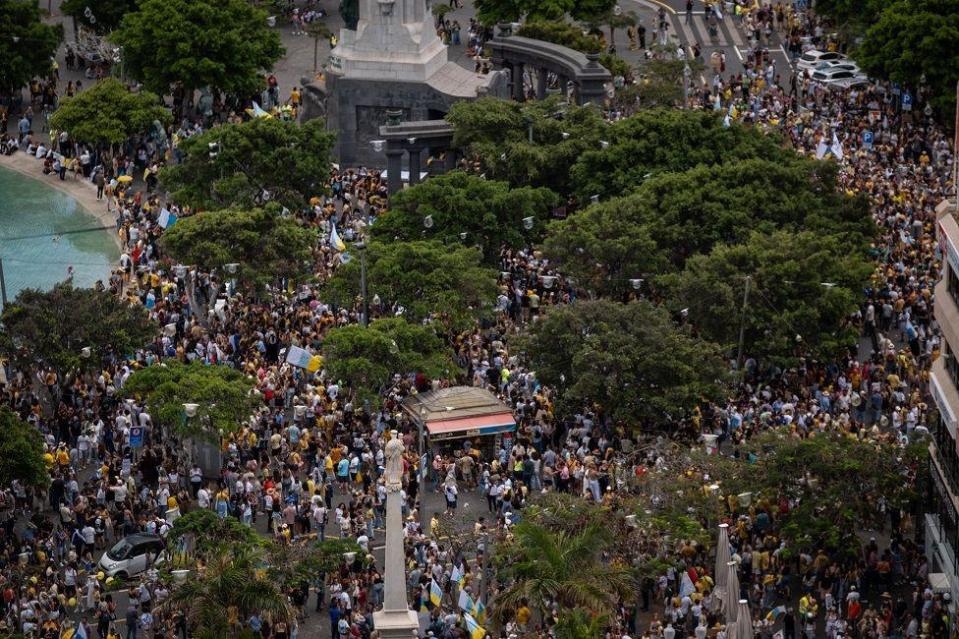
[(335, 615), (343, 470), (256, 624)]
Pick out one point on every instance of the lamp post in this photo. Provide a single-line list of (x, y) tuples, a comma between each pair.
[(361, 248), (421, 480)]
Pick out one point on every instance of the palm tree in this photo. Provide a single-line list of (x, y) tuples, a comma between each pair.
[(562, 567), (580, 624), (231, 586)]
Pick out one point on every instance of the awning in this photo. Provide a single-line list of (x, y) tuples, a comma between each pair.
[(471, 426)]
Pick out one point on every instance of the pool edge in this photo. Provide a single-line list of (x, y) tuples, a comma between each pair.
[(82, 191)]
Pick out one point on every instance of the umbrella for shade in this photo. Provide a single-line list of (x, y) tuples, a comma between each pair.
[(743, 628), (730, 606), (125, 179), (722, 558)]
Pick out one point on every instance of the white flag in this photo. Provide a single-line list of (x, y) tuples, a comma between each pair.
[(836, 148), (822, 148)]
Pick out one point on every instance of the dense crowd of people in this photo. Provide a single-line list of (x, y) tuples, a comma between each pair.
[(309, 461)]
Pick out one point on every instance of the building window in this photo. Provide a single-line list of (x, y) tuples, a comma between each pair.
[(947, 456), (952, 284), (951, 363)]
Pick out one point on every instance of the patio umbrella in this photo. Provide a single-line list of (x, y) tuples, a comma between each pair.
[(730, 605), (722, 558), (743, 628)]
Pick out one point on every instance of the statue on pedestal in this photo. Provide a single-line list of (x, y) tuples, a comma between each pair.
[(394, 462)]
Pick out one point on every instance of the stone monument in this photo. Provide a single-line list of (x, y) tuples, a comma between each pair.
[(395, 620), (392, 61)]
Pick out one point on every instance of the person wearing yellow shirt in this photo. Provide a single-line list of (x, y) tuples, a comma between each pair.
[(523, 614)]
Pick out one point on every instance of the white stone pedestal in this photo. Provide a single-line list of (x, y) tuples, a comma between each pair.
[(397, 624)]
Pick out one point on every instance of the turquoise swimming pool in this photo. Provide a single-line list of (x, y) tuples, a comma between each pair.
[(36, 239)]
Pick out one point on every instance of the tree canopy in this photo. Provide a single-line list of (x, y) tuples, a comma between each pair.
[(663, 140), (487, 211), (429, 280), (672, 216), (27, 46), (223, 396), (916, 38), (366, 358), (803, 286), (263, 243), (629, 359), (108, 113), (496, 134), (287, 160), (545, 566), (21, 451), (222, 44), (102, 16), (813, 474), (53, 329)]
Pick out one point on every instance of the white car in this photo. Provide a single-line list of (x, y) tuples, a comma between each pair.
[(841, 78), (132, 555), (810, 59), (845, 65)]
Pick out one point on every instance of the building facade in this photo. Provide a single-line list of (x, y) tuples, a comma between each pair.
[(942, 519)]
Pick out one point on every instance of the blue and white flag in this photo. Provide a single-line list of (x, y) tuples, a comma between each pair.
[(166, 219), (335, 240)]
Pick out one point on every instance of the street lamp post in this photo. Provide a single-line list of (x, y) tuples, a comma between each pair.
[(421, 480), (361, 247)]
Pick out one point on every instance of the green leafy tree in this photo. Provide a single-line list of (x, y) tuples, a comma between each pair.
[(213, 535), (803, 286), (367, 357), (21, 451), (564, 33), (662, 78), (429, 280), (659, 140), (68, 329), (841, 12), (496, 134), (223, 396), (222, 44), (27, 46), (487, 211), (298, 564), (602, 252), (612, 19), (262, 243), (231, 586), (629, 359), (108, 113), (284, 159), (580, 623), (545, 566), (912, 39), (586, 10), (814, 472), (689, 212), (104, 15)]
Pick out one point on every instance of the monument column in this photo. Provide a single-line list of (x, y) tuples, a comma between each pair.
[(394, 169), (414, 166), (541, 77), (518, 93), (395, 620)]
